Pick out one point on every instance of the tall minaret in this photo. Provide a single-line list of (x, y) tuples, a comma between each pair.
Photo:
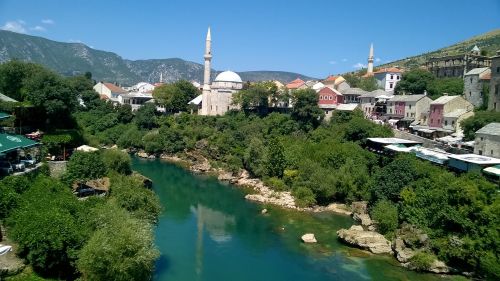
[(370, 61), (161, 77), (205, 102)]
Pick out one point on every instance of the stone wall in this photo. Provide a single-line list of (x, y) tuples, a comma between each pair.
[(425, 142), (57, 168), (473, 90)]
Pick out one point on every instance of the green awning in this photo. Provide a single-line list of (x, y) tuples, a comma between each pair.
[(4, 115), (13, 142)]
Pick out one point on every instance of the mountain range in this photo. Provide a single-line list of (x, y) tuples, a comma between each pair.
[(77, 58)]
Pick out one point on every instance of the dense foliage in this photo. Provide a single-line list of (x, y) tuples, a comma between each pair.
[(175, 97), (62, 237), (419, 81)]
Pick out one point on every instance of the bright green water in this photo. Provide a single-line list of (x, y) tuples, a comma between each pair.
[(208, 231)]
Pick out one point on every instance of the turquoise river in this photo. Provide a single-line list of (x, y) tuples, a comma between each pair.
[(208, 231)]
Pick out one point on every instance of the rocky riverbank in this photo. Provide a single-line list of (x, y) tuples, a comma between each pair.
[(198, 164), (363, 236)]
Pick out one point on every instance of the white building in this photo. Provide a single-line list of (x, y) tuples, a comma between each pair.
[(217, 97), (387, 78), (142, 87), (109, 91)]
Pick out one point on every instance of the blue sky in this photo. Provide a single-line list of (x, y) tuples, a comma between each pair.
[(315, 37)]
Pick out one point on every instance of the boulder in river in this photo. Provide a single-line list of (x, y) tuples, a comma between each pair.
[(403, 253), (368, 240), (308, 238), (264, 211)]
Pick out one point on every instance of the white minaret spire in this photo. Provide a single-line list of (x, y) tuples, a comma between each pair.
[(161, 77), (208, 59), (370, 61), (206, 100)]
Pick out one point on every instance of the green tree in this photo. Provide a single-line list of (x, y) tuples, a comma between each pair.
[(121, 248), (385, 213), (276, 162), (256, 98), (414, 82), (368, 83), (118, 161), (13, 75), (85, 166), (452, 86), (254, 159), (49, 227), (390, 180), (175, 97), (145, 116), (306, 110), (54, 95)]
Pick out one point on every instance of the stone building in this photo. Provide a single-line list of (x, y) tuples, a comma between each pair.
[(217, 97), (475, 82), (488, 140), (457, 65), (494, 97), (408, 109)]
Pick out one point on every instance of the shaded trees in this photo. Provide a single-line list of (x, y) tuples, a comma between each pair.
[(175, 97), (305, 109), (414, 82)]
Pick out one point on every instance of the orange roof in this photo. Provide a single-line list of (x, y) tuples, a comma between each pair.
[(366, 75), (113, 88), (486, 76), (158, 84), (331, 78), (389, 69), (295, 84)]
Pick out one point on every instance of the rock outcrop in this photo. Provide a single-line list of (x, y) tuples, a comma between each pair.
[(368, 240), (308, 238), (403, 253)]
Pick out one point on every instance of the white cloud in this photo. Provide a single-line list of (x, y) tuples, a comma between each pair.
[(378, 60), (332, 62), (38, 28), (48, 21), (15, 26), (344, 60), (359, 65)]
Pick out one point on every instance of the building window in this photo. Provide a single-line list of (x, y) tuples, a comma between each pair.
[(391, 85), (397, 77), (491, 152), (481, 138), (498, 69), (471, 79), (439, 121), (390, 110), (496, 89), (453, 123), (446, 122), (392, 77), (409, 106), (480, 152), (320, 97)]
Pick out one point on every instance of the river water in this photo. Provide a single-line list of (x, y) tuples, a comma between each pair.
[(208, 231)]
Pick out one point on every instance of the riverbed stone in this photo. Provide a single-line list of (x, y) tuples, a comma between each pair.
[(363, 218), (368, 240), (308, 238), (264, 211)]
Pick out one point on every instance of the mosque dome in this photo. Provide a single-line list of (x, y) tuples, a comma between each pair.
[(228, 76)]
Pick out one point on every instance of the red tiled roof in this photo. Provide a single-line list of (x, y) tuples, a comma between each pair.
[(113, 88), (158, 84), (389, 69), (366, 75), (295, 84), (328, 90)]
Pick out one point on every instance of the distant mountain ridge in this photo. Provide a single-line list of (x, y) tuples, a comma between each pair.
[(77, 58), (488, 42)]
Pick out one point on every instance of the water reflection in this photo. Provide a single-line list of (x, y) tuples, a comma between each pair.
[(209, 232)]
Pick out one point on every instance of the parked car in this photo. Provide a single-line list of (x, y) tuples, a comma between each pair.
[(6, 168), (27, 160)]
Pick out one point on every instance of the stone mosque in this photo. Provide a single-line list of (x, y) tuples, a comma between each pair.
[(217, 97)]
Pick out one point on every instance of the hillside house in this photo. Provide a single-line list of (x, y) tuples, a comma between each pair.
[(407, 109), (487, 140), (351, 95), (336, 82), (387, 78), (109, 91), (494, 97), (475, 81), (329, 99)]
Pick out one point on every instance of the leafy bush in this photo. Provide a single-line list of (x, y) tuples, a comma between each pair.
[(385, 214), (85, 166), (304, 197), (422, 261), (118, 161), (276, 184)]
